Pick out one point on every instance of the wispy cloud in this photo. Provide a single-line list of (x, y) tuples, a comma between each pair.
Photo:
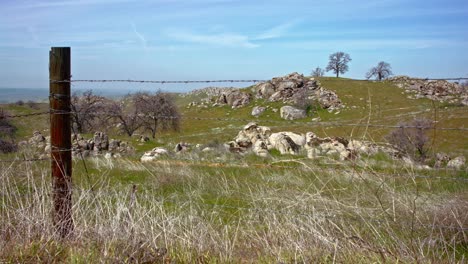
[(374, 44), (221, 39), (46, 4), (276, 32), (139, 36)]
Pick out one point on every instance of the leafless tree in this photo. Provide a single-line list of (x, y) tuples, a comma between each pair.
[(7, 131), (411, 138), (317, 72), (338, 63), (382, 71), (87, 110), (126, 113), (159, 112)]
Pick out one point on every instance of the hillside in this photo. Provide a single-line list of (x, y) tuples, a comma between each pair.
[(197, 202), (366, 102)]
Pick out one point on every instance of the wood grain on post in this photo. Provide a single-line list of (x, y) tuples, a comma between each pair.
[(60, 139)]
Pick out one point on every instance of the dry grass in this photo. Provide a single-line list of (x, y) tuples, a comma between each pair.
[(192, 213)]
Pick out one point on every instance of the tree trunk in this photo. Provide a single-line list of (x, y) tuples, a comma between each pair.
[(337, 74)]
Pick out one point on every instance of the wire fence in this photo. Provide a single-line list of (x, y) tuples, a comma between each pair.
[(287, 210)]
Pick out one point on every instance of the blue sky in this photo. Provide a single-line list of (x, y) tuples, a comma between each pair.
[(229, 39)]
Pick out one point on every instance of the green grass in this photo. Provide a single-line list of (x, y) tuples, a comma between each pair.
[(220, 207)]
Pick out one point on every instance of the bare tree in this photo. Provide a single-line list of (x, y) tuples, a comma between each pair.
[(159, 112), (126, 113), (410, 138), (86, 110), (317, 72), (7, 131), (338, 63), (382, 71)]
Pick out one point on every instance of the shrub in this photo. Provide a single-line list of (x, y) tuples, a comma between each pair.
[(411, 138)]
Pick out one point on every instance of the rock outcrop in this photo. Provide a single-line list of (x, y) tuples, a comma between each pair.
[(285, 88), (98, 145), (261, 140), (438, 90), (234, 98), (291, 113)]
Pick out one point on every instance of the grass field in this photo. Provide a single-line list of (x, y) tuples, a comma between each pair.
[(221, 207)]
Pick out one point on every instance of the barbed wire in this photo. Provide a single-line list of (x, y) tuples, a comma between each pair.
[(25, 160), (227, 119), (234, 80), (158, 81)]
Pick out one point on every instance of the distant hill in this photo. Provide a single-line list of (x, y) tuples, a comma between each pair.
[(9, 95)]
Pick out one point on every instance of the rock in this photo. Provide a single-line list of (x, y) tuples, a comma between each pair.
[(37, 138), (114, 144), (144, 139), (234, 98), (258, 110), (299, 139), (153, 154), (101, 141), (456, 163), (260, 148), (182, 146), (284, 144), (207, 149), (292, 113), (265, 90), (441, 160)]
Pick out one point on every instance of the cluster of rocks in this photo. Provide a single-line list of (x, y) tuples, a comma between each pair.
[(210, 92), (285, 88), (234, 98), (158, 152), (261, 140), (444, 160), (98, 145), (438, 90)]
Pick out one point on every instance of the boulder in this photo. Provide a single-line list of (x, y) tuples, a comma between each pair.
[(258, 110), (154, 154), (181, 147), (260, 148), (291, 113), (265, 90), (441, 160), (457, 163), (101, 141), (284, 144), (234, 98)]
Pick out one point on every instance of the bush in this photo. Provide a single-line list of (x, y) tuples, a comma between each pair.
[(7, 130), (411, 138), (7, 147)]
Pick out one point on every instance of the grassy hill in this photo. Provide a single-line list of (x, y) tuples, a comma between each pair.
[(221, 207)]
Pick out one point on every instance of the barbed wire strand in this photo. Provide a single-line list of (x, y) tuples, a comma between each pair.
[(284, 122)]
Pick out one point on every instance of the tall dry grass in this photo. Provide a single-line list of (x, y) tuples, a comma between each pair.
[(305, 214)]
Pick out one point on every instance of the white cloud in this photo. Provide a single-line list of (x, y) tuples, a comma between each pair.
[(139, 36), (221, 39), (373, 44), (276, 32)]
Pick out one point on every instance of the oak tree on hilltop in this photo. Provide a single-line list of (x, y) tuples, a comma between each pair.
[(338, 63), (382, 71), (317, 72)]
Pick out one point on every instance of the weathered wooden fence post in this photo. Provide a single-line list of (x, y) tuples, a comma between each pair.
[(60, 139)]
